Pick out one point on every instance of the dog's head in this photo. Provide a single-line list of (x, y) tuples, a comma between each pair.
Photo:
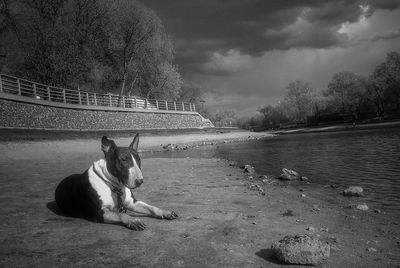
[(123, 163)]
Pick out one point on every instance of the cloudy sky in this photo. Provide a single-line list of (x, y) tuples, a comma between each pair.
[(247, 51)]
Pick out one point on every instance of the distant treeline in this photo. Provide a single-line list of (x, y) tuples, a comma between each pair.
[(117, 46), (348, 98)]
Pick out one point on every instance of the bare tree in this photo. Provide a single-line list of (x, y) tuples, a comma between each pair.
[(384, 87), (346, 90), (167, 84), (298, 100), (142, 51)]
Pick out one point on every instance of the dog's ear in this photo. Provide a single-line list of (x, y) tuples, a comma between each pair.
[(106, 144), (135, 143)]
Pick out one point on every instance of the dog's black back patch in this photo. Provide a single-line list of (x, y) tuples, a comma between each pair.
[(75, 197)]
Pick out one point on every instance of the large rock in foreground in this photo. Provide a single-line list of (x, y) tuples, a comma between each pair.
[(353, 191), (301, 249)]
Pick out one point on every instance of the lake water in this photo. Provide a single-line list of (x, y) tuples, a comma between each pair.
[(367, 158)]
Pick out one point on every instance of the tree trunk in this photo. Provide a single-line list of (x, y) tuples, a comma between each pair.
[(123, 84)]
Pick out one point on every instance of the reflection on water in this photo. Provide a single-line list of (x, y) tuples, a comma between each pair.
[(368, 158)]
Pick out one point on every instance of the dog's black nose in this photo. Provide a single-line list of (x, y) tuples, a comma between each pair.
[(139, 181)]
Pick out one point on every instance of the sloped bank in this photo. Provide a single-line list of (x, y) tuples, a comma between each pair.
[(37, 115)]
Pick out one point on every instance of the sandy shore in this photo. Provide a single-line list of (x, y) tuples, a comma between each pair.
[(40, 149), (222, 222)]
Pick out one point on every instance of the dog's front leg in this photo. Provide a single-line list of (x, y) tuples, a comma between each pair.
[(116, 217), (152, 211)]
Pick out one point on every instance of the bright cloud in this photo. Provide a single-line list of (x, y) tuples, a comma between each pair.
[(230, 62)]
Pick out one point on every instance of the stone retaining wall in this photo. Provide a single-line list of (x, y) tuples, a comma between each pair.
[(15, 114)]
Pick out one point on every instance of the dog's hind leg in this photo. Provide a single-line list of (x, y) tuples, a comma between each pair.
[(152, 211), (128, 221)]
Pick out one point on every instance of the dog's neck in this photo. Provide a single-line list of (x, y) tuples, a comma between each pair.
[(100, 167)]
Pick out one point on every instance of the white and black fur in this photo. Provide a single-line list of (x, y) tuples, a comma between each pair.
[(103, 191)]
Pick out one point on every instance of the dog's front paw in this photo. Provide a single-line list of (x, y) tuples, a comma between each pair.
[(135, 224), (169, 215)]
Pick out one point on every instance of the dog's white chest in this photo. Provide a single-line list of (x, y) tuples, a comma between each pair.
[(106, 196)]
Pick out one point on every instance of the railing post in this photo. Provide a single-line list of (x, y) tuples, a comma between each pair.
[(157, 105), (135, 103), (87, 98), (175, 105), (109, 98), (190, 106), (64, 99), (80, 99), (183, 106), (166, 105), (48, 94), (194, 107), (1, 85), (34, 91), (123, 101), (19, 87), (95, 99)]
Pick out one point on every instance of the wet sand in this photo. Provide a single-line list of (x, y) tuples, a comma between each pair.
[(222, 223)]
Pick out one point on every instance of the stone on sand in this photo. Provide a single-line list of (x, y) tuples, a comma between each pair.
[(353, 191), (301, 249), (289, 175), (363, 207), (249, 169)]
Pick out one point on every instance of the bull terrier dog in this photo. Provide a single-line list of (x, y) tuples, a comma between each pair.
[(103, 193)]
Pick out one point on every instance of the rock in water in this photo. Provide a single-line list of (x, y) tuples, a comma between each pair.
[(289, 175), (301, 249), (353, 191)]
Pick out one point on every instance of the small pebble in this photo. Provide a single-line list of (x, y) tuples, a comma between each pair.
[(371, 250), (362, 207), (315, 208), (335, 239), (310, 228), (303, 178), (288, 212)]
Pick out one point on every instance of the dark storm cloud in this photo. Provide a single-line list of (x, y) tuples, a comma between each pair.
[(202, 27), (384, 4), (389, 36)]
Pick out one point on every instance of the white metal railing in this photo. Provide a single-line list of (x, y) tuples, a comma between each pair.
[(13, 85)]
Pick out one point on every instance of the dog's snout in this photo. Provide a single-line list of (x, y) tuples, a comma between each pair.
[(139, 181)]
